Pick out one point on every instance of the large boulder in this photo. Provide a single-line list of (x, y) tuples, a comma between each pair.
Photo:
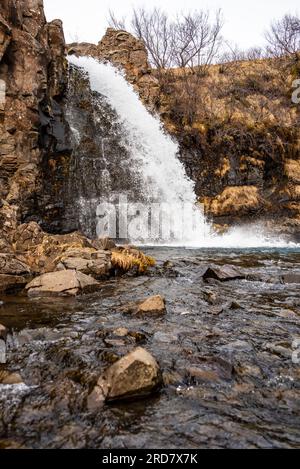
[(65, 283), (135, 375)]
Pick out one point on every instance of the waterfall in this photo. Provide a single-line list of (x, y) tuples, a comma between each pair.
[(149, 174)]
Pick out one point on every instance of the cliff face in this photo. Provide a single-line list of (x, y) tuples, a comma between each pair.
[(123, 50), (33, 79)]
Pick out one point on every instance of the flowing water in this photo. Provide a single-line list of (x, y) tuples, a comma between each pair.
[(225, 349)]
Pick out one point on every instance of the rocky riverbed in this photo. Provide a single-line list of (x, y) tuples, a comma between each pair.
[(227, 353)]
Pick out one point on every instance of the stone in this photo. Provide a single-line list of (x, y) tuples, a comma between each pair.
[(135, 375), (11, 283), (211, 369), (290, 278), (10, 378), (223, 274), (107, 244), (66, 283), (237, 346), (155, 305), (3, 332), (2, 352), (94, 263), (11, 265), (27, 236)]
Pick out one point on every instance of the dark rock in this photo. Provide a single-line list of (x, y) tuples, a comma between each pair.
[(223, 274), (290, 278), (3, 332)]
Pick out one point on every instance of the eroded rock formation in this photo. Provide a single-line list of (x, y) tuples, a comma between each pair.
[(33, 75)]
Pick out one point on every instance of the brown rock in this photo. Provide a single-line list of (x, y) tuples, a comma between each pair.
[(90, 262), (153, 305), (106, 244), (33, 72), (27, 236), (10, 378), (135, 375), (11, 265), (11, 283), (66, 283)]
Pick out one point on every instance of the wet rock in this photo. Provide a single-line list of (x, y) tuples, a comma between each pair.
[(10, 378), (223, 274), (66, 282), (237, 346), (135, 375), (211, 297), (281, 350), (215, 310), (290, 278), (2, 351), (211, 369), (3, 332), (154, 305), (235, 306), (12, 283), (166, 338), (121, 332)]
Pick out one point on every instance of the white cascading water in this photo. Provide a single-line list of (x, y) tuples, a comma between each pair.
[(164, 177)]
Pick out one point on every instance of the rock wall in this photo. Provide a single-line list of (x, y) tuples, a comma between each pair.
[(33, 77), (125, 51)]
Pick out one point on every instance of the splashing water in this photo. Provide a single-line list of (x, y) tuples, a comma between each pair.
[(154, 159)]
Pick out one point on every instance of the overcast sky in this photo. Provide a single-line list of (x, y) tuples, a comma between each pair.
[(245, 22)]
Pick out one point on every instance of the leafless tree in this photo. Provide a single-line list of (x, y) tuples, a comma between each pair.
[(284, 37), (156, 30), (116, 23), (196, 40), (190, 40)]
